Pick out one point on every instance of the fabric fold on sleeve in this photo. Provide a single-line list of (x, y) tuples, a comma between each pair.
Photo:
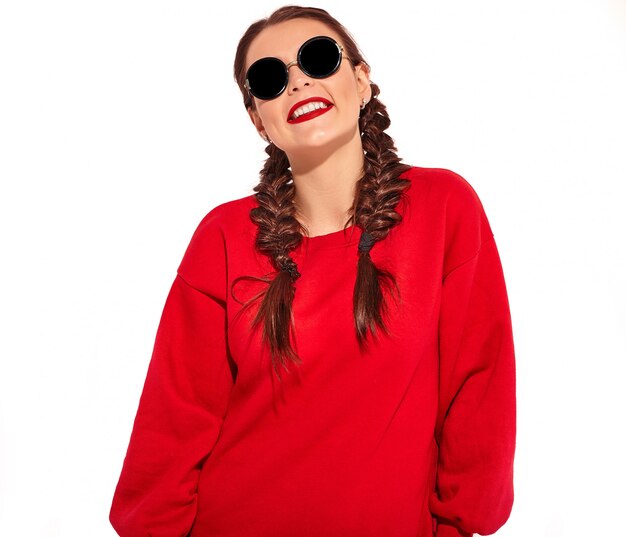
[(476, 421), (180, 413)]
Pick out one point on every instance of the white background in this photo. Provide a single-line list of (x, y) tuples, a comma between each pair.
[(121, 127)]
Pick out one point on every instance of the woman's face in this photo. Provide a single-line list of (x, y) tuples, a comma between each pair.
[(344, 89)]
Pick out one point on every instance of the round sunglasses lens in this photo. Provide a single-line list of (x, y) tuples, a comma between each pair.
[(266, 78), (320, 57)]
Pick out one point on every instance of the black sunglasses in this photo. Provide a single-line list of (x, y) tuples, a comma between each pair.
[(318, 57)]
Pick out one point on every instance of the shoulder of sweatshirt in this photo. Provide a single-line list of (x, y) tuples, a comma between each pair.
[(452, 210), (204, 264), (226, 217)]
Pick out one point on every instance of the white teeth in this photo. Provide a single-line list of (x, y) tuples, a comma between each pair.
[(308, 108)]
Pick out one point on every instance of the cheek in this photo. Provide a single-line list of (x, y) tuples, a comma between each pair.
[(349, 87), (271, 114)]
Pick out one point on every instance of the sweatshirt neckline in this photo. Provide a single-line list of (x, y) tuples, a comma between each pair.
[(349, 236), (343, 237)]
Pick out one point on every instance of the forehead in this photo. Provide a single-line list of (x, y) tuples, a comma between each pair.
[(283, 40)]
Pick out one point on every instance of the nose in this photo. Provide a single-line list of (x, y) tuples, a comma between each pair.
[(297, 79)]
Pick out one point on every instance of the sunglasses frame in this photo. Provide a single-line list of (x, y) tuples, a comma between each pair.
[(297, 62)]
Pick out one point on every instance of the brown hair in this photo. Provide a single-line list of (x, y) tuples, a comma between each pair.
[(378, 192)]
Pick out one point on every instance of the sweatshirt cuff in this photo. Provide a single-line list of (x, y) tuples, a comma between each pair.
[(444, 530)]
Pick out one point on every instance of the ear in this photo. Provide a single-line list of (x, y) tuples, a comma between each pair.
[(362, 74), (256, 121)]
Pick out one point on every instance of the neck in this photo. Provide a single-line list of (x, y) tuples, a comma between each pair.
[(326, 186)]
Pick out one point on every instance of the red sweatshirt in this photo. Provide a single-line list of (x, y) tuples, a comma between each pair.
[(411, 437)]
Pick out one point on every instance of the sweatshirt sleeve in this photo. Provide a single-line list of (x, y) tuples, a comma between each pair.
[(476, 421), (182, 405)]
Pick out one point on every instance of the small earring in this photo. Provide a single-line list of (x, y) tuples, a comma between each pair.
[(363, 103), (266, 138)]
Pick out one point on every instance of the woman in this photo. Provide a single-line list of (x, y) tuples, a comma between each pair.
[(335, 356)]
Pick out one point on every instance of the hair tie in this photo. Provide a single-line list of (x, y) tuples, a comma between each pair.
[(366, 242), (290, 267)]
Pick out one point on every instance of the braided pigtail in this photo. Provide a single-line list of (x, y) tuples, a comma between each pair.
[(378, 194), (279, 232)]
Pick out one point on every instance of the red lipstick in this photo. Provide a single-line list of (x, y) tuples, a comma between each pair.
[(310, 115)]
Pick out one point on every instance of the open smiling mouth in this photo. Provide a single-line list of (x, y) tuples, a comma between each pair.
[(307, 115)]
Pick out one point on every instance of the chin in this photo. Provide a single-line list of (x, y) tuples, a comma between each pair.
[(322, 140)]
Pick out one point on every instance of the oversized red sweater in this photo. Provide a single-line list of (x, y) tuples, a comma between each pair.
[(411, 437)]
